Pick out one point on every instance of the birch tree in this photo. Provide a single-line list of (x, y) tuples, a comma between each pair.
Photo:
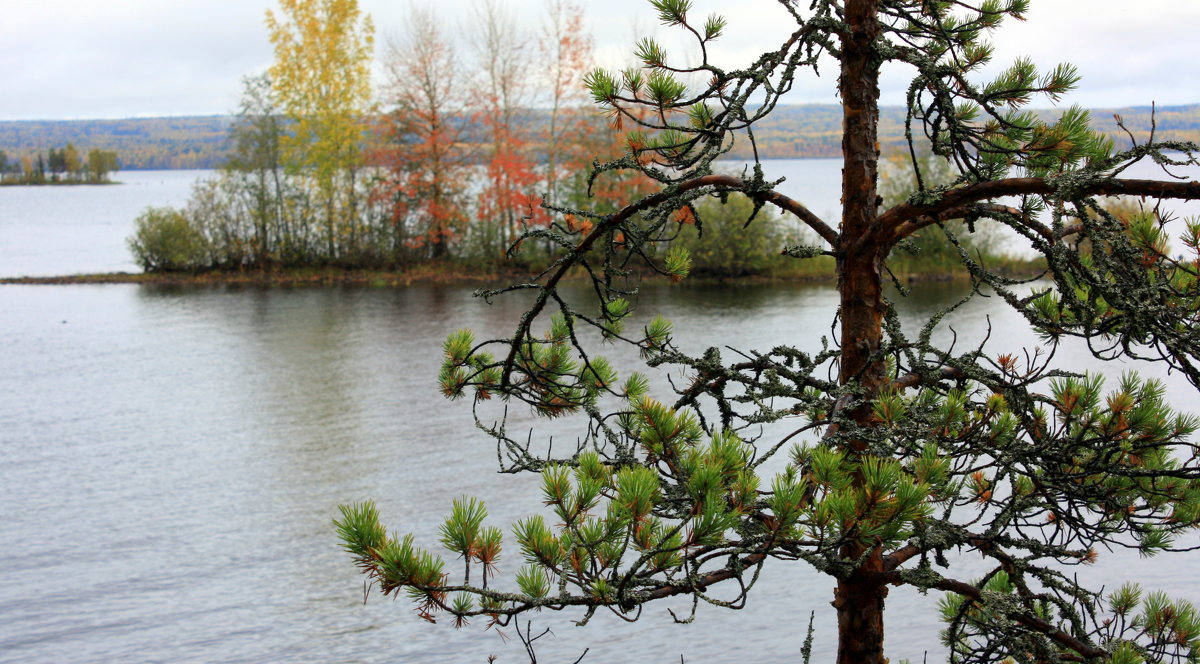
[(566, 49), (322, 82), (502, 49)]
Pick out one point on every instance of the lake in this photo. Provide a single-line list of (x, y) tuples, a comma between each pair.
[(76, 229), (171, 458)]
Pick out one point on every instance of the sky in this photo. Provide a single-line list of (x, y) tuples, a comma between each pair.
[(71, 59)]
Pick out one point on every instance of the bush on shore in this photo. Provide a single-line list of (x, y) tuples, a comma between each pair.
[(165, 241), (724, 241)]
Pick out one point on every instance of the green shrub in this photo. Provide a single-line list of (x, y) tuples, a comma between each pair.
[(726, 247), (930, 251), (164, 241)]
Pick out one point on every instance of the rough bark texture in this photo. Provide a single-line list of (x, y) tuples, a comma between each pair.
[(859, 603), (859, 598), (860, 257)]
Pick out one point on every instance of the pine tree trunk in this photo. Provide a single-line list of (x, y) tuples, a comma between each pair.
[(859, 597), (859, 603)]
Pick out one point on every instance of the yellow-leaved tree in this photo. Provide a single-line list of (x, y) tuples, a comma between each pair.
[(321, 78)]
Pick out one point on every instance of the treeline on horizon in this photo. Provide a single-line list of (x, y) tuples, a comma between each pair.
[(790, 132), (65, 165), (142, 143)]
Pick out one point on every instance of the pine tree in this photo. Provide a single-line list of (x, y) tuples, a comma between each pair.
[(910, 449)]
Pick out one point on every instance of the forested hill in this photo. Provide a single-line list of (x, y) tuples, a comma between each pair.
[(815, 130), (140, 143), (789, 132)]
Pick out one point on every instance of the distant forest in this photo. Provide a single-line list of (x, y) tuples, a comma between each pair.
[(790, 132), (141, 143)]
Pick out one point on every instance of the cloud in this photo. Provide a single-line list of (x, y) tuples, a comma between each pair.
[(89, 59), (81, 58)]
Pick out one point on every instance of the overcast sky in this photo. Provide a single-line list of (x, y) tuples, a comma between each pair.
[(63, 59)]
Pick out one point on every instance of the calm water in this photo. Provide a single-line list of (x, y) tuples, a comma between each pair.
[(77, 229), (171, 459)]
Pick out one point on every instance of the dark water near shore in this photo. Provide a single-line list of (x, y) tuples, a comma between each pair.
[(171, 458)]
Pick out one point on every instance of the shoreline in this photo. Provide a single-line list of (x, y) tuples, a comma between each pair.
[(280, 278), (61, 183), (421, 275)]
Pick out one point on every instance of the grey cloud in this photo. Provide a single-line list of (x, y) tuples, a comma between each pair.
[(80, 58)]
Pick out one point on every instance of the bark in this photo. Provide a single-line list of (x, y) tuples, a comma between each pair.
[(906, 218), (859, 603), (860, 254), (859, 597)]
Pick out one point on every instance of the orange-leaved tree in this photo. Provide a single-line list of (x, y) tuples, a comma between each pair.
[(508, 198), (427, 171)]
